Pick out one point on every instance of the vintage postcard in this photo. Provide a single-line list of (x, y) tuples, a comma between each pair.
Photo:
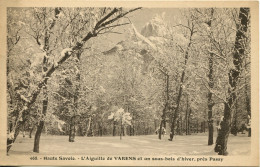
[(129, 83)]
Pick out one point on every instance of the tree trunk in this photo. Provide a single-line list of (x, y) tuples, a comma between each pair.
[(114, 128), (210, 125), (121, 128), (181, 127), (130, 130), (221, 142), (36, 147), (211, 85), (30, 133), (197, 126), (91, 129), (72, 131), (174, 119), (89, 126), (40, 126), (100, 129), (133, 130), (23, 130), (204, 126), (46, 48), (123, 131), (248, 103), (41, 123), (15, 133), (186, 117), (45, 97), (178, 127), (176, 111), (155, 124), (160, 130), (20, 119), (163, 121), (189, 121), (234, 121)]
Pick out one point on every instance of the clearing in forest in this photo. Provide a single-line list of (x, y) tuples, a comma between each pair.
[(195, 144)]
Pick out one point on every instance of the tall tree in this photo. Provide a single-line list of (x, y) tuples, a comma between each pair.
[(76, 99), (176, 111), (163, 121), (233, 76), (42, 17), (211, 85)]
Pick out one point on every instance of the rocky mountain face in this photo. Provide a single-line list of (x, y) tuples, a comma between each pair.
[(155, 30)]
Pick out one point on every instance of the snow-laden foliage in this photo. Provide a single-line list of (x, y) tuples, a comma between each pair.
[(121, 116), (150, 72)]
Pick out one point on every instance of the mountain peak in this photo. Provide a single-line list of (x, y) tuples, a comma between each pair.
[(155, 27)]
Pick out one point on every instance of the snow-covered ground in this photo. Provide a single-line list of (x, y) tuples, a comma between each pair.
[(195, 144)]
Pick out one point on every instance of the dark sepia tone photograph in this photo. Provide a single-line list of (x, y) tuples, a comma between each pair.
[(128, 82)]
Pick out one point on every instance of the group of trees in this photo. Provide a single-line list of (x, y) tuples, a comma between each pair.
[(220, 40), (54, 34), (184, 74)]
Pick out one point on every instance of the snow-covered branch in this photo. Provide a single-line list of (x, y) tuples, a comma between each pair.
[(144, 38), (209, 89)]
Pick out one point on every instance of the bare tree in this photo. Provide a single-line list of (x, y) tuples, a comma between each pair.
[(175, 114), (233, 75)]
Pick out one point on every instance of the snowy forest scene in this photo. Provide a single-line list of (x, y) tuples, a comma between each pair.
[(128, 81)]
